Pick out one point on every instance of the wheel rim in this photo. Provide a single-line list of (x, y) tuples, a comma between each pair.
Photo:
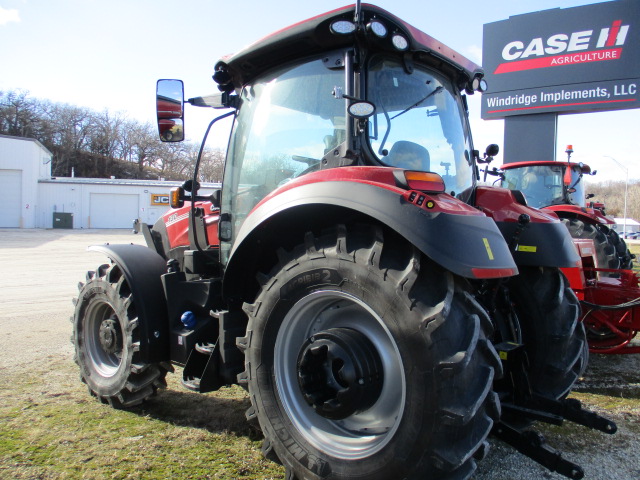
[(369, 423), (103, 339)]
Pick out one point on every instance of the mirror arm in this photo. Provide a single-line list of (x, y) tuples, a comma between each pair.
[(217, 100)]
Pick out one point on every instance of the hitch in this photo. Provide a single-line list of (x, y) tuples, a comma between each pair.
[(556, 411), (533, 444), (525, 405)]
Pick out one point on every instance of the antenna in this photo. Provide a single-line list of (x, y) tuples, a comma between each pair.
[(356, 18)]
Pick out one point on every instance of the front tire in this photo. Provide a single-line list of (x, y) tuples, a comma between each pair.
[(625, 256), (606, 254), (366, 360), (105, 337)]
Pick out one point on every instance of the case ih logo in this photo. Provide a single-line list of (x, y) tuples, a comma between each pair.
[(565, 49)]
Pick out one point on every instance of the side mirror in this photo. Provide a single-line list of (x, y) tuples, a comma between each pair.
[(492, 150), (170, 110), (188, 186), (215, 198)]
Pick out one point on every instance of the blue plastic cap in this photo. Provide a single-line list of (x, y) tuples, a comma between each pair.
[(188, 319)]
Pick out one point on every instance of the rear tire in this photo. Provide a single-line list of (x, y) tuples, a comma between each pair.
[(364, 359), (553, 336), (105, 337)]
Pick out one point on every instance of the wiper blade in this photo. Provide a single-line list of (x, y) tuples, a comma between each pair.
[(436, 90), (576, 182)]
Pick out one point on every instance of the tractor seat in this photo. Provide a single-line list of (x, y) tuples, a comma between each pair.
[(409, 155)]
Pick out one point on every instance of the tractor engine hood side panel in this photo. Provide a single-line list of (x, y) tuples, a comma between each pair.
[(463, 244)]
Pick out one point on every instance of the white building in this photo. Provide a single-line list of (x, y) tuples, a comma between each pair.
[(31, 198), (23, 161), (627, 225)]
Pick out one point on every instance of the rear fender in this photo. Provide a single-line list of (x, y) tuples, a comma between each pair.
[(142, 269), (544, 241), (465, 242)]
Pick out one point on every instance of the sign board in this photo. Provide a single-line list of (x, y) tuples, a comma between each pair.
[(563, 60), (159, 199)]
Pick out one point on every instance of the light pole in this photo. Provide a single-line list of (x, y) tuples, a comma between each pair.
[(626, 189)]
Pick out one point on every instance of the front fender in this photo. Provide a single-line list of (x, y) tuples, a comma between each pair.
[(587, 215), (468, 244), (142, 269)]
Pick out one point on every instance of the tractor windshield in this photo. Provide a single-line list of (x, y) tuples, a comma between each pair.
[(419, 122), (288, 120), (544, 185)]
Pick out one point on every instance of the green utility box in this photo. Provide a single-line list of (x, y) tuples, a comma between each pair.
[(62, 220)]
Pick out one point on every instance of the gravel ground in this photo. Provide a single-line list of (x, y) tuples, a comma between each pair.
[(39, 272)]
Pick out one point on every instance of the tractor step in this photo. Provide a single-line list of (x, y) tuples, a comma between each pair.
[(206, 348), (192, 384), (200, 373)]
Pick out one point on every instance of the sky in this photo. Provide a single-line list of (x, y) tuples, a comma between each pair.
[(108, 55)]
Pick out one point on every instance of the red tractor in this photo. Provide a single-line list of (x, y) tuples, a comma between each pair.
[(606, 286), (384, 312), (558, 186)]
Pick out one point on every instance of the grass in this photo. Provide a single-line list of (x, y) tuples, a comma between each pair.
[(50, 428), (58, 431), (635, 249)]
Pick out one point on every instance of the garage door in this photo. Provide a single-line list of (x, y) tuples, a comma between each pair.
[(11, 188), (110, 210)]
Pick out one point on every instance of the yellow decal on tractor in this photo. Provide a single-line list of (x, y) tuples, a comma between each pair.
[(488, 247)]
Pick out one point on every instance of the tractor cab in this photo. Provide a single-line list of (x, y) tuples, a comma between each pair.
[(547, 183), (338, 91)]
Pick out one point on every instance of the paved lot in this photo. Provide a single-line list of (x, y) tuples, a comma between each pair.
[(39, 272)]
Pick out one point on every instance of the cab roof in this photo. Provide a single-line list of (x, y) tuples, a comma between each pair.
[(314, 36), (545, 163)]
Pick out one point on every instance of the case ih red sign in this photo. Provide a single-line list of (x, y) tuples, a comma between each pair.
[(563, 60)]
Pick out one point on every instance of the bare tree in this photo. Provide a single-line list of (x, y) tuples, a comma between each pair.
[(612, 193), (212, 165), (101, 144)]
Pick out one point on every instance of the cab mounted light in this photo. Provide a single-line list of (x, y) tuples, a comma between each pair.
[(479, 84), (424, 181), (377, 28), (361, 109), (343, 27), (476, 84), (176, 197), (400, 42)]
